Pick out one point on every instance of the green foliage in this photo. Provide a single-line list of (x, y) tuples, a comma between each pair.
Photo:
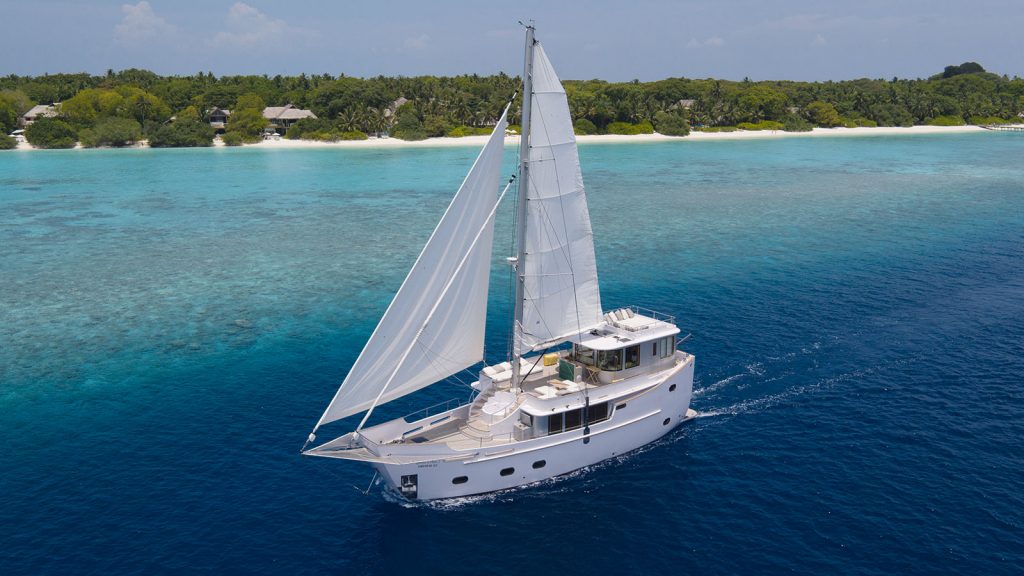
[(435, 126), (51, 133), (8, 117), (762, 125), (582, 126), (761, 102), (461, 131), (946, 121), (114, 132), (7, 143), (717, 129), (247, 122), (626, 128), (823, 114), (794, 123), (408, 126), (234, 139), (889, 114), (352, 135), (863, 123), (182, 133), (671, 124), (989, 120), (300, 129), (965, 68), (17, 100)]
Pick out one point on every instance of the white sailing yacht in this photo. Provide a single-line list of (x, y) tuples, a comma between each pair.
[(582, 385)]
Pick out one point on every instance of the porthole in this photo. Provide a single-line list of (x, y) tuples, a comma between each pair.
[(672, 388), (460, 479), (540, 464), (667, 420), (507, 471), (620, 406)]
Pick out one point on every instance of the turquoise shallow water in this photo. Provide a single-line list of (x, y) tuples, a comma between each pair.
[(172, 323)]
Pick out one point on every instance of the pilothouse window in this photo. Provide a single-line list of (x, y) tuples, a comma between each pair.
[(584, 355), (610, 360), (632, 357)]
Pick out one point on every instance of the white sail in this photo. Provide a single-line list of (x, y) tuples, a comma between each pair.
[(560, 292), (434, 327)]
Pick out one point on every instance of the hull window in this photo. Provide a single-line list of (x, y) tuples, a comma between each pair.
[(554, 423), (667, 420), (672, 388), (597, 413), (460, 479), (507, 471), (540, 464)]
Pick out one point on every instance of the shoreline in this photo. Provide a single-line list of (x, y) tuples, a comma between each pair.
[(695, 136)]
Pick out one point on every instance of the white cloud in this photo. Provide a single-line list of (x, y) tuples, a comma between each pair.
[(140, 23), (247, 27), (819, 40), (714, 41), (420, 42)]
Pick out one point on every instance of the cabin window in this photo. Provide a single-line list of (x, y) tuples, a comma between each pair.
[(597, 412), (667, 345), (632, 357), (555, 423), (654, 348), (573, 419), (526, 419), (610, 360), (507, 471), (585, 355), (460, 479)]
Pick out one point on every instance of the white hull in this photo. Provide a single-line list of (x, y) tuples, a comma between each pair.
[(647, 415)]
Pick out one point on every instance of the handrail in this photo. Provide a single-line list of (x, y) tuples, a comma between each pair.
[(427, 411), (653, 314)]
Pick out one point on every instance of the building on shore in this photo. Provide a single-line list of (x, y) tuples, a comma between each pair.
[(218, 118), (281, 117), (40, 111)]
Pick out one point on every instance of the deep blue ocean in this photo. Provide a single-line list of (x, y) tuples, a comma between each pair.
[(173, 323)]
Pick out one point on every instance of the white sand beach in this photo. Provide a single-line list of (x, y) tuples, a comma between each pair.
[(695, 136), (619, 139)]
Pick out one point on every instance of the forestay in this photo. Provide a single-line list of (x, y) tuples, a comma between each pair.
[(434, 327), (560, 292)]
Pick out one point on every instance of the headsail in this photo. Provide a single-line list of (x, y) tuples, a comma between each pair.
[(560, 287), (434, 327)]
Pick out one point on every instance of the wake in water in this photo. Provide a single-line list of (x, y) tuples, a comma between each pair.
[(760, 386)]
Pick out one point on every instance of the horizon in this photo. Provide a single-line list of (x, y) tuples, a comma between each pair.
[(791, 40)]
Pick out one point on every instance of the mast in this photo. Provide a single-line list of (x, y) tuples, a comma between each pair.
[(524, 183)]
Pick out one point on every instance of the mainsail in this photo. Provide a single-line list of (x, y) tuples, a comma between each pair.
[(434, 327), (560, 288)]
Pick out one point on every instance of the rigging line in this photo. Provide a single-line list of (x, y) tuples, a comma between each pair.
[(561, 205)]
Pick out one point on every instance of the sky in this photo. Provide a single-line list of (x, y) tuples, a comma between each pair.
[(612, 40)]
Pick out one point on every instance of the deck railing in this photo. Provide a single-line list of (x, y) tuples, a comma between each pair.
[(653, 314), (435, 409)]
